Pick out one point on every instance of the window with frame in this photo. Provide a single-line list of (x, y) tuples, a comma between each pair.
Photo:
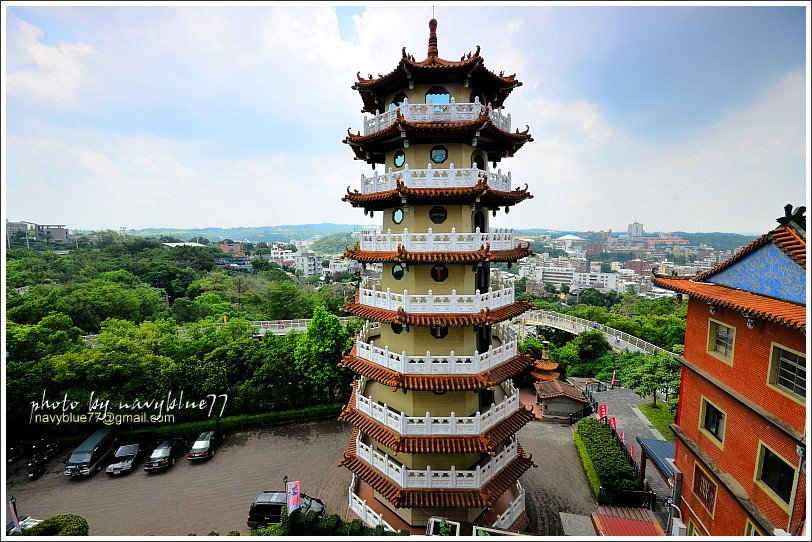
[(704, 489), (399, 159), (713, 420), (397, 328), (438, 332), (397, 271), (775, 473), (438, 214), (721, 339), (397, 215), (788, 370), (750, 529), (438, 154)]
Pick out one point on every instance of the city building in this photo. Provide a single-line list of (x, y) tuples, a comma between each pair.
[(571, 244), (603, 281), (232, 249), (742, 418), (635, 231), (307, 262), (557, 399), (435, 411)]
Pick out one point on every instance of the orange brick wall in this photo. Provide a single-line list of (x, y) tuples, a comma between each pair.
[(751, 358), (739, 452)]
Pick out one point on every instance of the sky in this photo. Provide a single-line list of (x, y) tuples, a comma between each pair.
[(685, 117)]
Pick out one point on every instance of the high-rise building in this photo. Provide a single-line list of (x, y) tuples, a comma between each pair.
[(742, 418), (435, 411), (635, 231)]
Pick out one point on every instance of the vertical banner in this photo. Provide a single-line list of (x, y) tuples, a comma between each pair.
[(613, 423), (614, 379), (294, 495), (631, 451), (14, 519), (602, 410), (623, 437)]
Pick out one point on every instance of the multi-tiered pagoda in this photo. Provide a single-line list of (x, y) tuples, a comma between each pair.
[(434, 409)]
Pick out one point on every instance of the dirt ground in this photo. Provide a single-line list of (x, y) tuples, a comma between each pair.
[(215, 496)]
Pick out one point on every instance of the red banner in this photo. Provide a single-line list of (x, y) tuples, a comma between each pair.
[(602, 410), (613, 423), (631, 451), (623, 437), (294, 495)]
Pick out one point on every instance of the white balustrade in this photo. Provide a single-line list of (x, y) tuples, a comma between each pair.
[(499, 239), (369, 516), (514, 510), (440, 425), (436, 364), (429, 478), (430, 177), (430, 303), (450, 112)]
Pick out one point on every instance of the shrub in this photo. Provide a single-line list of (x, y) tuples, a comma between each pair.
[(310, 524), (611, 465), (61, 525), (589, 468)]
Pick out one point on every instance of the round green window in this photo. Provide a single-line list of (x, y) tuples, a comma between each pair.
[(397, 271), (439, 154), (397, 215)]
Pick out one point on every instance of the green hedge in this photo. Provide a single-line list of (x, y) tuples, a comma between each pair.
[(589, 468), (609, 461), (61, 525), (310, 524)]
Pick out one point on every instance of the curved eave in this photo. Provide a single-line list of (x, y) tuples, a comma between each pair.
[(417, 131), (483, 443), (768, 308), (400, 316), (437, 498), (433, 70), (480, 193), (404, 256), (478, 381)]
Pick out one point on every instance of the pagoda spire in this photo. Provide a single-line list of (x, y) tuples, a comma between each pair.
[(433, 38)]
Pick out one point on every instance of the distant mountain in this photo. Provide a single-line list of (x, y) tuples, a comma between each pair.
[(256, 234)]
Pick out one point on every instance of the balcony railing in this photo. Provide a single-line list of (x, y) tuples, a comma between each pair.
[(499, 239), (433, 364), (360, 507), (428, 478), (434, 178), (450, 112), (440, 425), (509, 516), (430, 303)]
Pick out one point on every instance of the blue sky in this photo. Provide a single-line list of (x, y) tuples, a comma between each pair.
[(681, 117)]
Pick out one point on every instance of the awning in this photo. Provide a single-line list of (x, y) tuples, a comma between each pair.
[(661, 453)]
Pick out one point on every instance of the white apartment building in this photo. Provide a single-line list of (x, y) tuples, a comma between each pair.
[(605, 281), (307, 262)]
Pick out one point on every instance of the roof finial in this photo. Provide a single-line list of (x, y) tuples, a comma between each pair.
[(433, 37)]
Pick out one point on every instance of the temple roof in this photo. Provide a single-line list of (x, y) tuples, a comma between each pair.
[(423, 444), (557, 388), (437, 497), (481, 192), (400, 316), (484, 254), (456, 382), (434, 69)]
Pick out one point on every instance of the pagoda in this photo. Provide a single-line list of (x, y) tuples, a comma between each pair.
[(434, 410), (545, 370)]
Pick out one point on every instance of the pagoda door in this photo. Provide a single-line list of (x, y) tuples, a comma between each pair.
[(483, 278)]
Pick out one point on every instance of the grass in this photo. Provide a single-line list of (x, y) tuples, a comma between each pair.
[(589, 468), (660, 417)]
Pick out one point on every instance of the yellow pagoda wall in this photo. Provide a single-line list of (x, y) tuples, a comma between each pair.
[(417, 95), (460, 277), (418, 340), (417, 403), (418, 156), (416, 219)]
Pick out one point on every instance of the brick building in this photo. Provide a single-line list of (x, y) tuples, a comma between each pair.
[(740, 446)]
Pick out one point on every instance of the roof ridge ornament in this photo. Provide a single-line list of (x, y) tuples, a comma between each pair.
[(798, 217), (433, 38)]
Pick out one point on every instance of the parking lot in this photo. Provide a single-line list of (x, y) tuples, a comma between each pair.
[(215, 495)]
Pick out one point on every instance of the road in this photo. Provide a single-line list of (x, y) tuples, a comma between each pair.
[(214, 496)]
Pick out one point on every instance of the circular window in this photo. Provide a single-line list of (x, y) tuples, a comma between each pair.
[(438, 332), (397, 215), (438, 214), (439, 154), (400, 159), (397, 271), (439, 273), (397, 329)]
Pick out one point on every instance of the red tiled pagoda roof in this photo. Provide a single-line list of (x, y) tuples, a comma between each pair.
[(483, 443), (400, 316), (774, 310), (463, 382), (436, 497), (487, 196), (484, 254), (556, 388)]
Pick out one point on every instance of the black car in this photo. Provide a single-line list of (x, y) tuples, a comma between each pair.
[(267, 508), (205, 445), (165, 454), (126, 459)]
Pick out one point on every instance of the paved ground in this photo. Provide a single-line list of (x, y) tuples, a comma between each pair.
[(215, 496), (621, 403)]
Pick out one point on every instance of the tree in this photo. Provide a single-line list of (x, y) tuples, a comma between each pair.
[(657, 372), (319, 352)]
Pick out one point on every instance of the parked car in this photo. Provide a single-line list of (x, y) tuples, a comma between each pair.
[(88, 457), (126, 458), (267, 508), (205, 445), (165, 454)]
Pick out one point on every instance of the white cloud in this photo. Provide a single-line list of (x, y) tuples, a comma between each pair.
[(48, 73)]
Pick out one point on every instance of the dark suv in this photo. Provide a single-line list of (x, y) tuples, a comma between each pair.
[(267, 508)]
